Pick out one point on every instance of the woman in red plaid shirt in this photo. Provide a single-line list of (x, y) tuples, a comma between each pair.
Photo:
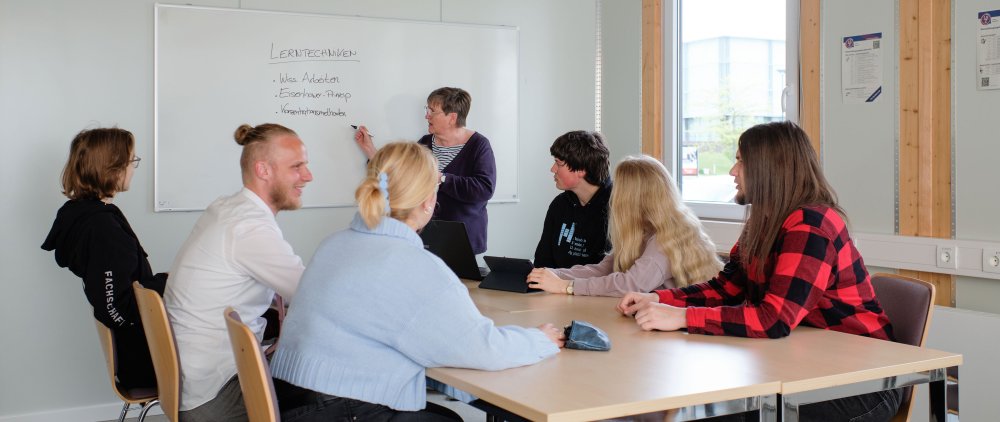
[(800, 269)]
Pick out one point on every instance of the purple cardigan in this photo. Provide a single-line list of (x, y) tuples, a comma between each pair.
[(470, 180)]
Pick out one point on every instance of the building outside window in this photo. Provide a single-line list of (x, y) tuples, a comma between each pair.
[(732, 75)]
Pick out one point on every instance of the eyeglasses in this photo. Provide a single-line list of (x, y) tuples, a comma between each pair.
[(430, 112), (135, 162)]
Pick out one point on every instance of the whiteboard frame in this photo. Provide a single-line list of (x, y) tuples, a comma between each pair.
[(157, 7)]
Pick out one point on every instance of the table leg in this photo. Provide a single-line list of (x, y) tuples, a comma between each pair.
[(789, 409), (938, 391), (769, 410)]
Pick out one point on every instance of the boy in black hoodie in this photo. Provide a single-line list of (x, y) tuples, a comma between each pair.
[(92, 238), (575, 231)]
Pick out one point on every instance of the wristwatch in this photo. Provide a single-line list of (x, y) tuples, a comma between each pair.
[(569, 288)]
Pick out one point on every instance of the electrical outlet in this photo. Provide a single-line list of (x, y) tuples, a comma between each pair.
[(991, 260), (947, 257)]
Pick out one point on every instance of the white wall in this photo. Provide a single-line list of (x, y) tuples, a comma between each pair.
[(859, 139), (862, 137), (966, 332), (66, 65), (621, 80), (975, 151)]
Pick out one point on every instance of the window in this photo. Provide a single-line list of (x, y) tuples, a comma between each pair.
[(732, 73)]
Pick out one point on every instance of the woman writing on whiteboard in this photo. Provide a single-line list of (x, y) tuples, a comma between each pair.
[(92, 238), (465, 160)]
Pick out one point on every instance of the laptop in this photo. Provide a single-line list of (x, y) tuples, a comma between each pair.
[(450, 242), (508, 274)]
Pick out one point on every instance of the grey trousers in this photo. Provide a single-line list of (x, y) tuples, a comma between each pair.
[(227, 406)]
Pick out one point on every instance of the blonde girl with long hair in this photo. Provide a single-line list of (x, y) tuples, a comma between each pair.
[(374, 309), (657, 241)]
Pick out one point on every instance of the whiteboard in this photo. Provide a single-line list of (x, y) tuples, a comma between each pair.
[(216, 69)]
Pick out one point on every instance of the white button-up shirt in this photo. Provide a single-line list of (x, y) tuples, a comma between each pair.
[(235, 256)]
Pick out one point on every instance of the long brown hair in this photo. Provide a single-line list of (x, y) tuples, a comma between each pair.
[(645, 201), (97, 160), (781, 174)]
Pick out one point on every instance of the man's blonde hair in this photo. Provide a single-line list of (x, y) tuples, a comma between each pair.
[(256, 144)]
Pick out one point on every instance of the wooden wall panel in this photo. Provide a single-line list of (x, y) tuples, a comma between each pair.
[(925, 183), (809, 72)]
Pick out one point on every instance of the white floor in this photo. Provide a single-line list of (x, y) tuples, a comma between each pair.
[(467, 412)]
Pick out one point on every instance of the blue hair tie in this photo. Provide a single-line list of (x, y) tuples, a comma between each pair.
[(383, 185)]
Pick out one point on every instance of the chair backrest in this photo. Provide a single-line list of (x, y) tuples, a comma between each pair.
[(162, 348), (254, 373), (107, 339), (909, 304)]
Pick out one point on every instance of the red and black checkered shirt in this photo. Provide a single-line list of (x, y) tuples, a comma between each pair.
[(817, 279)]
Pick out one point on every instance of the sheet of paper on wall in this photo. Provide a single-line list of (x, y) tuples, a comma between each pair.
[(988, 57), (861, 68)]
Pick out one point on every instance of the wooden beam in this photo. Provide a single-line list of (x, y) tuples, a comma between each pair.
[(940, 121), (925, 128), (809, 73), (909, 128), (652, 78)]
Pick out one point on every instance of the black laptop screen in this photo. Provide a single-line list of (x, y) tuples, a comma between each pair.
[(450, 242)]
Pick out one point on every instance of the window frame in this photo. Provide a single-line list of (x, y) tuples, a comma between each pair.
[(673, 90)]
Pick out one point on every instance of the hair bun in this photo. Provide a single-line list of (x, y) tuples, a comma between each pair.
[(241, 133)]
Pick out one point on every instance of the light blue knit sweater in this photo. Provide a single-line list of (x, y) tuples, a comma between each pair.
[(374, 309)]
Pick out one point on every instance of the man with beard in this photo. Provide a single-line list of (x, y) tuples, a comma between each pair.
[(235, 256), (794, 264)]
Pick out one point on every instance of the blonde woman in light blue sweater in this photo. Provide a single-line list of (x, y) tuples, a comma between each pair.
[(374, 309)]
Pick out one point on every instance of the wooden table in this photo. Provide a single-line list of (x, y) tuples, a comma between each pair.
[(696, 375), (824, 365), (487, 299), (643, 372)]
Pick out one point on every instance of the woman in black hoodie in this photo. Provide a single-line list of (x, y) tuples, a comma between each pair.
[(92, 238)]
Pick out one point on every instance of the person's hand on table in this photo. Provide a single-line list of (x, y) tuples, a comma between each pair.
[(652, 315), (545, 279), (555, 334), (627, 305)]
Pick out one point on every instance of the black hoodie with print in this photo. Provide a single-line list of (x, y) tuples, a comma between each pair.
[(94, 240), (575, 234)]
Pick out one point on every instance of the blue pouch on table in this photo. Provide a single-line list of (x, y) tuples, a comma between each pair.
[(582, 335)]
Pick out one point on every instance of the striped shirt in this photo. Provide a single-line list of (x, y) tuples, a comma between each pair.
[(443, 154)]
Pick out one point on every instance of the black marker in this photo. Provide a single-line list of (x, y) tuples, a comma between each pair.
[(369, 133)]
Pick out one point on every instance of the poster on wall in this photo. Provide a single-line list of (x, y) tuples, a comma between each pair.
[(988, 57), (861, 68)]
